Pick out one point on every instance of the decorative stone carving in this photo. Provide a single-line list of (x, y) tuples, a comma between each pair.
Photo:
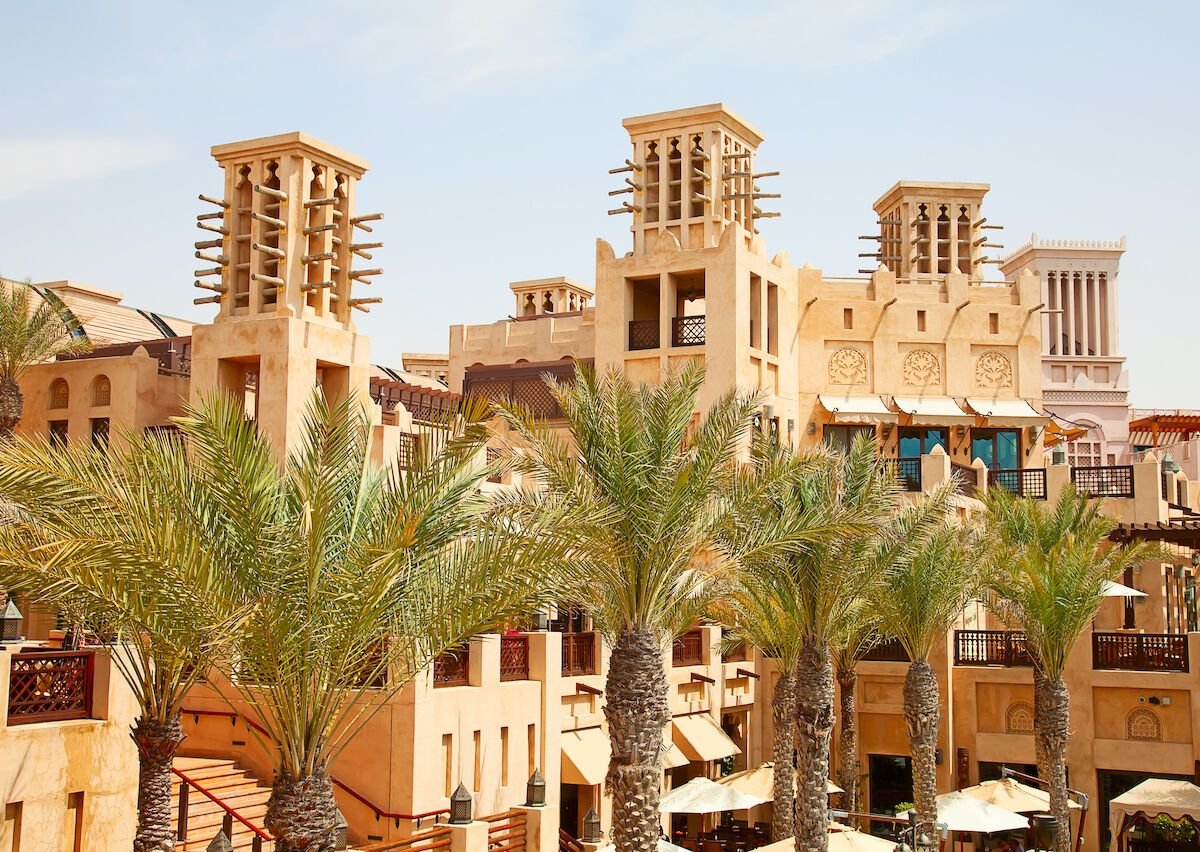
[(848, 366), (993, 370), (1143, 724), (922, 368), (1018, 718)]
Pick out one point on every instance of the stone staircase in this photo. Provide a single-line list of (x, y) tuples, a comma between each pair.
[(237, 788)]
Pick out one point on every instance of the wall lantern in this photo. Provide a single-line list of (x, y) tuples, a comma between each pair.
[(535, 790), (10, 622), (460, 806), (591, 828), (1196, 558)]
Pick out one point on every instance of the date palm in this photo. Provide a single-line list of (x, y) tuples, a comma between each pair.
[(1050, 567), (30, 333), (654, 479), (932, 576), (859, 635)]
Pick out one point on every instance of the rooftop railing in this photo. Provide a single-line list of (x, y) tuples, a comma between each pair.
[(50, 686), (514, 658), (452, 668), (968, 478), (578, 654), (908, 473), (523, 384), (1021, 481), (887, 651), (687, 331), (1140, 652), (1106, 481), (643, 334), (688, 649), (991, 648)]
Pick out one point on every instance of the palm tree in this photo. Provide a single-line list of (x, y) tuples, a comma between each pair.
[(929, 583), (1049, 570), (652, 478), (28, 335), (860, 634)]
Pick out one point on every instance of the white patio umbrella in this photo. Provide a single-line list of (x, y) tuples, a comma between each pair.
[(961, 812), (663, 846), (760, 781), (1116, 590), (1012, 795), (842, 838), (705, 796)]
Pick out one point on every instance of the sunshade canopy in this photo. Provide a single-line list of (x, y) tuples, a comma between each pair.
[(760, 781), (841, 839), (1154, 796), (585, 756), (1012, 795), (960, 812), (700, 738), (1007, 412), (852, 408), (933, 410), (1116, 590), (663, 846), (705, 796)]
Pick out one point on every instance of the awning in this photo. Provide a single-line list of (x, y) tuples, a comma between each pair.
[(933, 410), (856, 409), (672, 757), (585, 757), (1056, 434), (1117, 590), (700, 738), (1008, 412)]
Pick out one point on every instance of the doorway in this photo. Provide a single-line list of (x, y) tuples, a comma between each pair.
[(889, 783), (568, 809)]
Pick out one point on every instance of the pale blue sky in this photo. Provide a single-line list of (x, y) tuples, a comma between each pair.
[(490, 127)]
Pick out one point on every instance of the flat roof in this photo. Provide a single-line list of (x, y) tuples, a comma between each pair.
[(704, 114), (941, 189), (283, 141)]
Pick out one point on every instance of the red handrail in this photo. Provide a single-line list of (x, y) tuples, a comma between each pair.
[(379, 812), (233, 813)]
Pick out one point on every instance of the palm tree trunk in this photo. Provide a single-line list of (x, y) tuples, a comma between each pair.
[(847, 679), (783, 712), (637, 711), (156, 744), (12, 406), (1039, 687), (1053, 728), (814, 731), (302, 813), (922, 714)]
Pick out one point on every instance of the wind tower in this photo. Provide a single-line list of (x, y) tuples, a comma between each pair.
[(279, 260)]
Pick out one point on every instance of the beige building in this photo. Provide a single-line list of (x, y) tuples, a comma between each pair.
[(949, 370)]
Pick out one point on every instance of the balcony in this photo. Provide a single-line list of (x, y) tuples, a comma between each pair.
[(643, 334), (578, 654), (522, 384), (887, 651), (50, 686), (514, 658), (687, 331), (907, 472), (1107, 481), (968, 478), (991, 648), (688, 649), (452, 668), (1023, 482), (1140, 652)]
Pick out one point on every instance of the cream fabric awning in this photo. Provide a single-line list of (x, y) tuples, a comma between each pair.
[(1154, 796), (850, 408), (672, 757), (1008, 412), (700, 738), (585, 756), (933, 410)]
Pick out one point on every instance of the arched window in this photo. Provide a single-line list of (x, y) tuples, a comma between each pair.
[(60, 394), (1143, 724), (101, 391), (1018, 718)]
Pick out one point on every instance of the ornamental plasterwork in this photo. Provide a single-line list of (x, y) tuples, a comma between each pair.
[(922, 368), (1143, 724), (1018, 718), (847, 366), (993, 370), (1109, 396)]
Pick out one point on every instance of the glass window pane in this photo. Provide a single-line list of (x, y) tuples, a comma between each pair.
[(1007, 449), (910, 446), (936, 438), (982, 448)]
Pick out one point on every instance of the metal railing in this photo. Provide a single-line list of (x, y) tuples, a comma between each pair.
[(968, 478), (688, 649), (578, 654), (643, 334), (514, 658), (887, 651), (687, 331), (258, 835), (907, 472), (452, 668), (1021, 481), (1140, 652), (991, 648), (50, 686), (1106, 481)]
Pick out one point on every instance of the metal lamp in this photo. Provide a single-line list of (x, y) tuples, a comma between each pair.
[(1169, 464), (10, 622), (591, 827), (535, 790), (460, 806), (1196, 558), (341, 831)]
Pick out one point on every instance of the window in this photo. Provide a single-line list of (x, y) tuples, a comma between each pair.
[(920, 320), (60, 394), (1000, 449), (448, 762), (841, 437), (100, 432), (504, 757), (478, 780), (847, 317), (58, 432), (993, 323), (1084, 454), (101, 391), (918, 442)]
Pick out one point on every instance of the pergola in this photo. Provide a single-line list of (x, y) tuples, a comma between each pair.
[(1178, 423), (1184, 532)]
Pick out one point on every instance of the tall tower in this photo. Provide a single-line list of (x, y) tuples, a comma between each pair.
[(279, 261), (691, 174), (929, 230)]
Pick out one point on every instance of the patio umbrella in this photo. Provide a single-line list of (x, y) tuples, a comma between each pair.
[(842, 838), (960, 812), (1116, 590), (705, 796), (1012, 795), (760, 781), (663, 846)]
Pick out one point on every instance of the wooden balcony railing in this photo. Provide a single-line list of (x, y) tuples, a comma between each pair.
[(1022, 481), (522, 384), (643, 334), (991, 648), (514, 658), (739, 653), (688, 649), (687, 331), (1140, 652), (968, 478), (50, 686), (578, 654), (1107, 481), (452, 668), (907, 472), (887, 651)]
